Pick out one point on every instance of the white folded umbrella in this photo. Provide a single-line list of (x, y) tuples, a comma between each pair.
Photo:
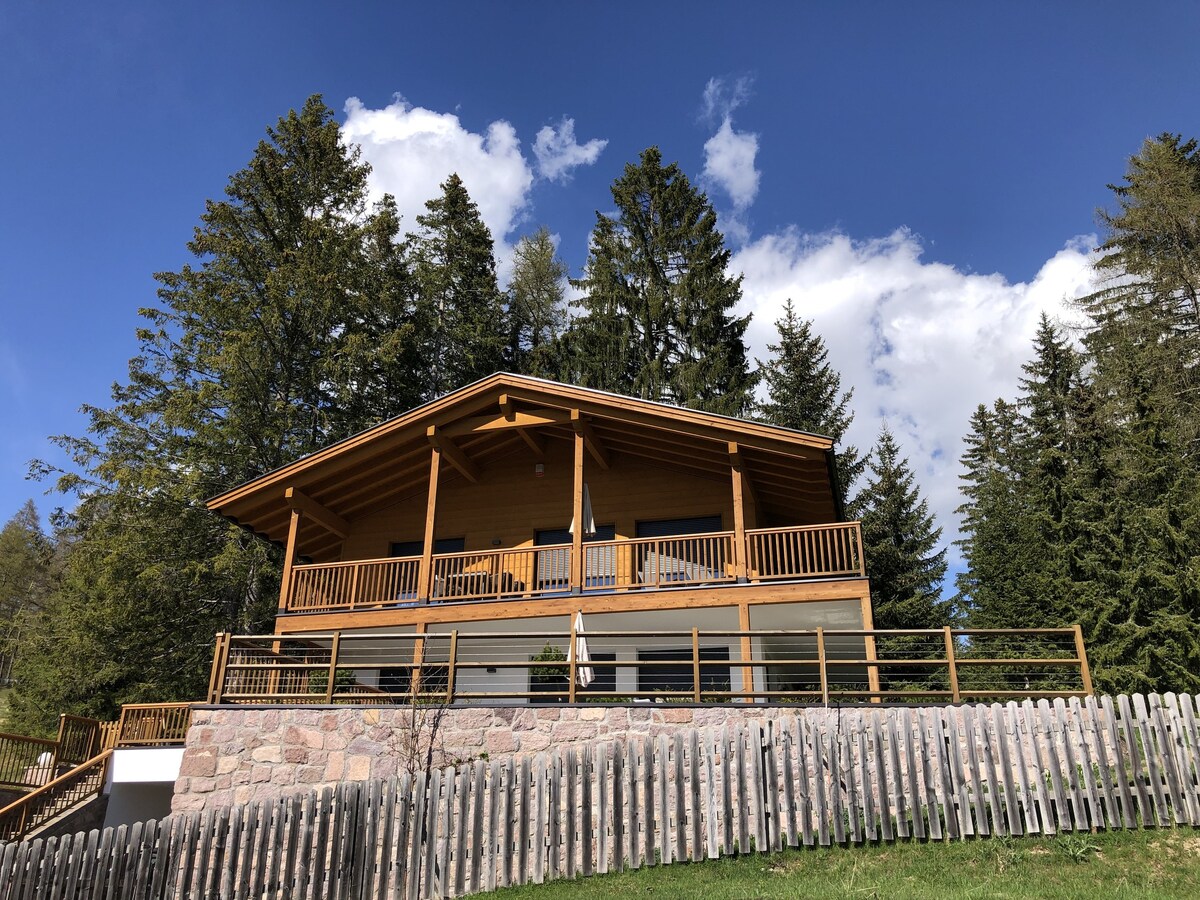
[(584, 673)]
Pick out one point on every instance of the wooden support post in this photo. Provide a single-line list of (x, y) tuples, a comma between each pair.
[(868, 624), (821, 666), (414, 676), (1085, 673), (217, 677), (450, 667), (740, 550), (952, 664), (289, 561), (576, 568), (747, 651), (696, 665), (333, 655), (425, 587), (572, 663)]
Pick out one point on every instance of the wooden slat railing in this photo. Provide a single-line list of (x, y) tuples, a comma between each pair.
[(26, 762), (54, 798), (817, 551), (352, 585), (659, 562), (153, 724), (820, 666), (811, 551), (79, 739)]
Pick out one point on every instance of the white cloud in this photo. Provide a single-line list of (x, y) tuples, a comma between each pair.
[(921, 343), (729, 155), (413, 150), (558, 153), (729, 163)]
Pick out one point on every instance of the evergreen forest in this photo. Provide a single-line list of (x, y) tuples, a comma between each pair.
[(308, 314)]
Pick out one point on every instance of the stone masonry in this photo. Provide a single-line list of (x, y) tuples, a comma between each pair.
[(237, 754)]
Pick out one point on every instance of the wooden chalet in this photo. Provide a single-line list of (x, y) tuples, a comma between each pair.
[(514, 504)]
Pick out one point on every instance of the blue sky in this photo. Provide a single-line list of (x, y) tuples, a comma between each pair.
[(921, 179)]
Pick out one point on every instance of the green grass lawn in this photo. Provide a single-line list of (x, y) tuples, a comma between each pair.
[(1118, 864), (4, 709)]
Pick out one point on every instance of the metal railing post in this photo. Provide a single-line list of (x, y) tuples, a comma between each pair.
[(821, 666), (952, 665)]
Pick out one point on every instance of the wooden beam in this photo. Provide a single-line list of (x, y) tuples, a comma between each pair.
[(747, 649), (289, 559), (327, 519), (849, 590), (454, 454), (739, 513), (524, 419), (506, 406), (583, 428), (576, 568), (425, 576), (533, 442)]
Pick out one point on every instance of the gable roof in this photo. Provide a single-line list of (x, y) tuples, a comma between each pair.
[(497, 415)]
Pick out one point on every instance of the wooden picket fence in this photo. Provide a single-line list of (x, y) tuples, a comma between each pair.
[(818, 777)]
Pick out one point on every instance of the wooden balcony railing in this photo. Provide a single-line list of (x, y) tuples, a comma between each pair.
[(824, 551), (54, 798), (820, 666), (153, 724), (817, 551)]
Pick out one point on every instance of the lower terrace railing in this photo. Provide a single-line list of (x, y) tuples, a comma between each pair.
[(816, 551), (698, 666), (153, 724), (83, 782), (26, 762)]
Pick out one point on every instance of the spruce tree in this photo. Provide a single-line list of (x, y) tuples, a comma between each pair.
[(30, 564), (537, 314), (805, 392), (461, 308), (900, 541), (659, 318), (293, 329)]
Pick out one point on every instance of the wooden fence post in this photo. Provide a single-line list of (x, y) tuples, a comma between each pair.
[(952, 664), (1081, 654), (696, 665)]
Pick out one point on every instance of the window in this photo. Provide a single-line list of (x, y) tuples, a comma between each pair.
[(553, 573), (683, 560), (678, 679), (557, 685), (435, 677)]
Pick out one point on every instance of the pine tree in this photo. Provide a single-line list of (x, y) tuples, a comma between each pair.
[(294, 329), (537, 314), (900, 541), (30, 565), (659, 302), (805, 392), (461, 307)]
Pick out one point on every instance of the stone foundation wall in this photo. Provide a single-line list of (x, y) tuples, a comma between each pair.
[(235, 754)]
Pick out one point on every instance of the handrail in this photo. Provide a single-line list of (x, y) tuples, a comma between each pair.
[(787, 553), (821, 665), (54, 798)]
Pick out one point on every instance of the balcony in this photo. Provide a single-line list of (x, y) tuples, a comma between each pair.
[(765, 554)]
